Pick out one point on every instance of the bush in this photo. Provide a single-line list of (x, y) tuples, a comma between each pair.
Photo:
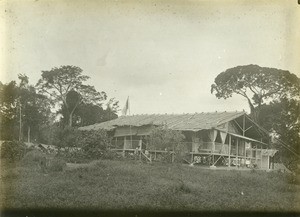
[(12, 151), (163, 138), (83, 146), (60, 137), (79, 146), (94, 143)]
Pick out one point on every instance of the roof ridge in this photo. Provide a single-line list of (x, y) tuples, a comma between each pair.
[(192, 113)]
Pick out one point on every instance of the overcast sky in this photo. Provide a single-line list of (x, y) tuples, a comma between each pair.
[(164, 55)]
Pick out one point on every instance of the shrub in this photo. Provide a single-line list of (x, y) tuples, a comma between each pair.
[(60, 137), (79, 146), (94, 143), (166, 139), (12, 151), (163, 138)]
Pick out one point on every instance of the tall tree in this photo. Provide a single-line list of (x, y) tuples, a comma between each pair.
[(59, 82), (22, 110), (8, 110), (256, 84)]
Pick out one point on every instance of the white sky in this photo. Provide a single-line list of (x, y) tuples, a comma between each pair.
[(163, 54)]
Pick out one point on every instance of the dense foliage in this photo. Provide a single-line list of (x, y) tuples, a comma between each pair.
[(162, 138), (78, 146), (45, 112), (283, 118), (12, 151), (22, 110), (94, 143)]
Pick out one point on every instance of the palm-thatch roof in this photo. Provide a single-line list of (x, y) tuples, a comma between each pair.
[(188, 122)]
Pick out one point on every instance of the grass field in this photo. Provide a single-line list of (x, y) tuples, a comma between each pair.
[(133, 185)]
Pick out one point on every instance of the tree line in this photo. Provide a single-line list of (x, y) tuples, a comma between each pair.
[(61, 99)]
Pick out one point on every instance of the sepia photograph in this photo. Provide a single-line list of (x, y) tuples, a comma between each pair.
[(149, 108)]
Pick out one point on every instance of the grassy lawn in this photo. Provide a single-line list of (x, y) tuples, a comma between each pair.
[(133, 185)]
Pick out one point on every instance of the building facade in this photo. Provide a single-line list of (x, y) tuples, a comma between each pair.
[(226, 139)]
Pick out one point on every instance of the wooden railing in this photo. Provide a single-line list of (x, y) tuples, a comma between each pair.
[(191, 148)]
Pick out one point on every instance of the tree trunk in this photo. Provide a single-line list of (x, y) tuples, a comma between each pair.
[(71, 119), (254, 112), (71, 113)]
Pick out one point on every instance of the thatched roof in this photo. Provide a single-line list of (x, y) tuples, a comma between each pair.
[(188, 122)]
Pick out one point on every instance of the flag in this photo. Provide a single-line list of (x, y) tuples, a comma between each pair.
[(126, 107)]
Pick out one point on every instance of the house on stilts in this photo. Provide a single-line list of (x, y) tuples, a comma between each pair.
[(221, 139)]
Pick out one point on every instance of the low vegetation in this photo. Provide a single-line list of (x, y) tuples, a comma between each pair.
[(111, 184)]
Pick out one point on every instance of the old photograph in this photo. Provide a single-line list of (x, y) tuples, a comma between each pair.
[(156, 107)]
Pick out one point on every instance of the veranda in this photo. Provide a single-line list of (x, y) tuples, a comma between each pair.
[(206, 147)]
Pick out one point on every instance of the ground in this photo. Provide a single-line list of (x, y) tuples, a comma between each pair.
[(108, 184)]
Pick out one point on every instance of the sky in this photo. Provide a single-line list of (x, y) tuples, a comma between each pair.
[(164, 55)]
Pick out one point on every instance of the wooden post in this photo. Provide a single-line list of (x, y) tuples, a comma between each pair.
[(245, 153), (237, 152), (124, 146), (140, 150), (155, 154), (213, 151), (229, 150), (261, 156), (244, 124), (255, 154)]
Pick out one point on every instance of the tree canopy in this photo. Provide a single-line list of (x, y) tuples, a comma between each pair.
[(59, 83), (256, 84)]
